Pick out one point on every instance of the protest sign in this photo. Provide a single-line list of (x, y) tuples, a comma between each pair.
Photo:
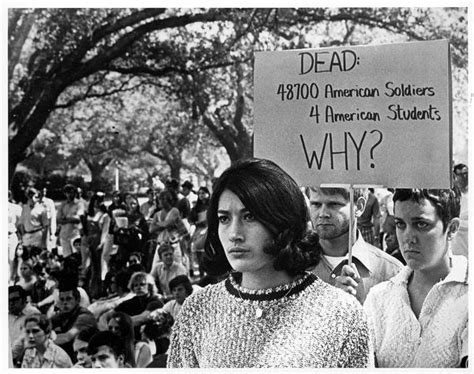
[(377, 115)]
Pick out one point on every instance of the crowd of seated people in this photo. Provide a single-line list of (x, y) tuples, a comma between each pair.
[(105, 281)]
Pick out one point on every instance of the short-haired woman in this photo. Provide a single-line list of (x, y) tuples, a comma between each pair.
[(269, 312), (40, 350), (420, 316)]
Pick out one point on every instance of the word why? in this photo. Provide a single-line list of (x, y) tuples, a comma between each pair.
[(328, 149)]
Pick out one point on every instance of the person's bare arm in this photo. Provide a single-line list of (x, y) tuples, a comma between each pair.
[(67, 336)]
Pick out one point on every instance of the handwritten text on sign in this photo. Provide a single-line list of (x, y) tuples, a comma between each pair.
[(358, 115)]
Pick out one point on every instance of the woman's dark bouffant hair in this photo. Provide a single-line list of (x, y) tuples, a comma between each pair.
[(41, 320), (276, 201)]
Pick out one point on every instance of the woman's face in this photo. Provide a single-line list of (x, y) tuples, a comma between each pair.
[(140, 286), (133, 260), (179, 293), (35, 336), (97, 203), (242, 236), (423, 242), (114, 326), (164, 202), (167, 257), (25, 270), (34, 197), (202, 195), (133, 204), (113, 285)]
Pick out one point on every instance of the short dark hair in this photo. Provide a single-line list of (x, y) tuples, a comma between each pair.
[(75, 292), (122, 278), (159, 325), (107, 338), (181, 279), (446, 201), (87, 334), (43, 322), (172, 183), (276, 201), (17, 288), (459, 167), (70, 187), (188, 185)]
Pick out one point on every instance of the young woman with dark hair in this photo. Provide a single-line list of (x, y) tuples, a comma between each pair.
[(269, 312), (121, 324)]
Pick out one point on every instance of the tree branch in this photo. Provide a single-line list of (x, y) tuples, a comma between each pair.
[(102, 59), (88, 95)]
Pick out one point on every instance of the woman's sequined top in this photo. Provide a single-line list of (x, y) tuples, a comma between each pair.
[(307, 323)]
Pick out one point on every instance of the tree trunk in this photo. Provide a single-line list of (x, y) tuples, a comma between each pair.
[(175, 170)]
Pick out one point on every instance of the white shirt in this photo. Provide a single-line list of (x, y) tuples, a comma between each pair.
[(173, 308), (438, 338)]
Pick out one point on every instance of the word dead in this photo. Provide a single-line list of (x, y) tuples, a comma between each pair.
[(327, 62)]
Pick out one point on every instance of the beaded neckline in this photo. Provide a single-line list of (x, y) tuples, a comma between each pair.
[(268, 294)]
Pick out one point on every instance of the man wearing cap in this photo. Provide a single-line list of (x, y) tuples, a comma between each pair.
[(68, 219)]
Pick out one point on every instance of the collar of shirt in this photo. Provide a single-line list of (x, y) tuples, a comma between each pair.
[(359, 255), (48, 354), (459, 270), (172, 267), (458, 273), (360, 252)]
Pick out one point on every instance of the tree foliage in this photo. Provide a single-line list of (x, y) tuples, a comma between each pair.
[(108, 84)]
